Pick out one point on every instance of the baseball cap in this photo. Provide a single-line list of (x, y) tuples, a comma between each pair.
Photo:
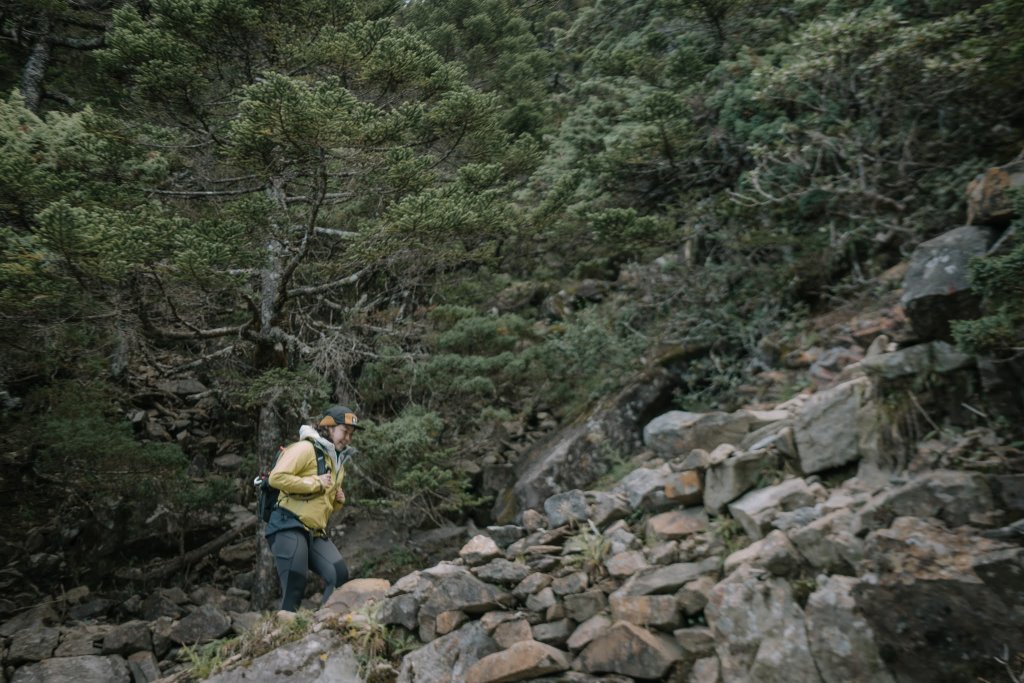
[(339, 415)]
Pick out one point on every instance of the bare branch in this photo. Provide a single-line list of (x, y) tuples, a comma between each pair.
[(203, 193), (315, 289)]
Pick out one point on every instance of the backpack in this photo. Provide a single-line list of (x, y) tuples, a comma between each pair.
[(266, 495)]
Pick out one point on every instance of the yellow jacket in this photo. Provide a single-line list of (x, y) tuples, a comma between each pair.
[(301, 492)]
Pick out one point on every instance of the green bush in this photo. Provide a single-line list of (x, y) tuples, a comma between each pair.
[(1000, 282)]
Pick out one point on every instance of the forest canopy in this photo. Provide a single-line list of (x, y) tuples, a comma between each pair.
[(457, 215)]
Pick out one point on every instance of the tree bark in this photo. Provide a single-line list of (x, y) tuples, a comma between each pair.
[(268, 436), (35, 69)]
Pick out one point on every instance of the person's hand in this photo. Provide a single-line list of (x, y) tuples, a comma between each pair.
[(325, 481), (339, 495)]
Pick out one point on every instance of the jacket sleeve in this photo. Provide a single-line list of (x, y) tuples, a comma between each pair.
[(295, 471)]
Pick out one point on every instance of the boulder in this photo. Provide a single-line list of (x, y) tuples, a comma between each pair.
[(356, 594), (524, 660), (678, 432), (130, 637), (775, 552), (756, 509), (206, 624), (580, 453), (676, 524), (567, 508), (144, 667), (829, 544), (507, 633), (34, 644), (657, 611), (989, 194), (953, 496), (842, 642), (934, 616), (630, 650), (644, 488), (726, 481), (82, 669), (684, 488), (479, 549), (502, 571), (447, 587), (668, 579), (836, 426), (447, 658), (319, 657), (937, 286), (587, 631), (759, 630), (936, 357)]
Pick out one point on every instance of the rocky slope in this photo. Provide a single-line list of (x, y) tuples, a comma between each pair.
[(866, 530)]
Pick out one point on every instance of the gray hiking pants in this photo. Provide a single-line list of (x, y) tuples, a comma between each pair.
[(296, 551)]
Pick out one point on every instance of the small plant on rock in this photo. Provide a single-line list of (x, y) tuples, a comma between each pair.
[(730, 534), (589, 548)]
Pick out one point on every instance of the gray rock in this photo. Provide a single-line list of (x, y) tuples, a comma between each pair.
[(607, 507), (576, 582), (502, 571), (834, 426), (448, 587), (936, 357), (513, 631), (554, 633), (726, 481), (568, 507), (937, 286), (524, 660), (644, 488), (206, 624), (678, 432), (130, 637), (920, 580), (676, 524), (696, 641), (667, 579), (631, 651), (581, 606), (759, 630), (579, 454), (479, 549), (82, 640), (828, 544), (775, 552), (33, 644), (321, 657), (401, 609), (756, 509), (448, 658), (40, 615), (144, 667), (953, 496), (587, 631), (656, 611), (506, 534), (84, 669), (841, 641)]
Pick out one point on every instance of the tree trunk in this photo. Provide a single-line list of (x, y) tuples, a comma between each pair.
[(269, 434), (35, 69)]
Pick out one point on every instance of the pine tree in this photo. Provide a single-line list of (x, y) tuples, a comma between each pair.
[(327, 163)]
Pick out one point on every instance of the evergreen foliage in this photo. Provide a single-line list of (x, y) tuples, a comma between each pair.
[(455, 214)]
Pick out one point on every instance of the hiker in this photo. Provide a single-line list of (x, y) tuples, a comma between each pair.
[(297, 530)]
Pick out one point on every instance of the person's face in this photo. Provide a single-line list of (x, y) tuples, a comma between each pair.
[(341, 435)]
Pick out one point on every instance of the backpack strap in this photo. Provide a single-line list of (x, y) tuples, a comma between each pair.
[(321, 457)]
